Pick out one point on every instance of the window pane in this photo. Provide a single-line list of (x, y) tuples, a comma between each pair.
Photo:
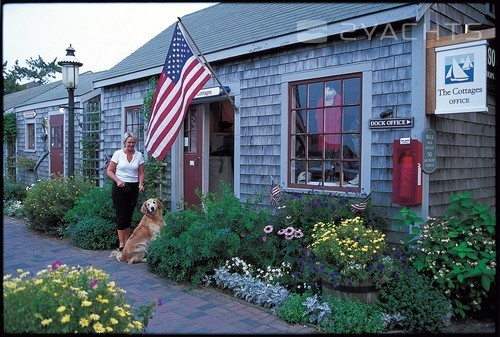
[(299, 96), (351, 119), (30, 134), (297, 173), (350, 146), (333, 93), (332, 146), (315, 94), (313, 152), (313, 125), (298, 147), (352, 91), (56, 136), (351, 173), (315, 169), (299, 121)]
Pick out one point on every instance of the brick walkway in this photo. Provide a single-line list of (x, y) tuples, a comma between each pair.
[(184, 310)]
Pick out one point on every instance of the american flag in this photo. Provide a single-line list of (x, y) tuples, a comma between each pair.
[(360, 207), (275, 194), (182, 77)]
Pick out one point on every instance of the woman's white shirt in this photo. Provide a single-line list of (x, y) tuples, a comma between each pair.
[(125, 171)]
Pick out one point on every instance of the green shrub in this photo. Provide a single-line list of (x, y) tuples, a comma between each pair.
[(14, 190), (198, 240), (412, 295), (93, 218), (292, 310), (48, 201), (97, 202), (351, 317), (94, 233), (458, 250)]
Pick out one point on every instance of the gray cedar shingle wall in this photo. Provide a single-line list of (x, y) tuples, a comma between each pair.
[(465, 143), (112, 103), (261, 107)]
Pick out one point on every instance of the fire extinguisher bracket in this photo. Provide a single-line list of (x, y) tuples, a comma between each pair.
[(407, 172)]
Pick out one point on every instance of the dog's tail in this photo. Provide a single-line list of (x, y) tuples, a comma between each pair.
[(116, 254)]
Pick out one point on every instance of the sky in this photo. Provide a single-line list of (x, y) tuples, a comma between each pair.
[(102, 34)]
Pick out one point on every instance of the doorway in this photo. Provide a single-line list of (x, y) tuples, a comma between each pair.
[(208, 129), (56, 145)]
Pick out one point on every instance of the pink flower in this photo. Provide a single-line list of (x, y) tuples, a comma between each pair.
[(56, 265), (281, 231), (93, 283), (289, 237), (298, 234), (268, 229), (289, 231), (264, 238)]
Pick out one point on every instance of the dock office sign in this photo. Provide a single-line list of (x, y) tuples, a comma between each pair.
[(461, 78)]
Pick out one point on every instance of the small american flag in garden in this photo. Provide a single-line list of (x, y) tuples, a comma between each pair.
[(361, 206), (275, 193)]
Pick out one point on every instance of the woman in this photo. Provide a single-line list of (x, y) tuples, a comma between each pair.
[(126, 169)]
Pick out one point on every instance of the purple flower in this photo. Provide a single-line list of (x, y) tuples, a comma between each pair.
[(93, 283), (380, 266), (160, 302), (56, 265)]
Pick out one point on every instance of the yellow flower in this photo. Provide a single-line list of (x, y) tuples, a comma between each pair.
[(113, 321), (86, 303), (65, 318), (61, 308), (94, 317), (46, 321), (84, 322), (98, 328)]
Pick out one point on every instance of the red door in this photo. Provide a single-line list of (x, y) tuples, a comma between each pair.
[(56, 145), (192, 154)]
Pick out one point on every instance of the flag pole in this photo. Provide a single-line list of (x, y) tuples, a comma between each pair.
[(209, 66)]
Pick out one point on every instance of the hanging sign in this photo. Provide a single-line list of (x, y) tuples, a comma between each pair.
[(29, 114), (209, 92), (406, 122), (429, 150), (461, 78)]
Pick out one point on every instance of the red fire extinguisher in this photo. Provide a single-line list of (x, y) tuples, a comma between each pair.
[(406, 179)]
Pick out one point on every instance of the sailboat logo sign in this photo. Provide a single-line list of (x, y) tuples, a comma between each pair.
[(461, 78), (459, 68)]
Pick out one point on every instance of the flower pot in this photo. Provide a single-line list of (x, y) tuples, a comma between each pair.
[(365, 292)]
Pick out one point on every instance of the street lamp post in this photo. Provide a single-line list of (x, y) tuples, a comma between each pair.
[(70, 72)]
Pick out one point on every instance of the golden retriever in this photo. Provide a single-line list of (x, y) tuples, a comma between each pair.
[(135, 248)]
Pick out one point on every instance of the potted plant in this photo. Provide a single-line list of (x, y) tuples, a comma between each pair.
[(26, 163), (352, 258)]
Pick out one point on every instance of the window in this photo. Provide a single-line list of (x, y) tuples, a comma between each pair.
[(325, 133), (134, 122), (30, 136)]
